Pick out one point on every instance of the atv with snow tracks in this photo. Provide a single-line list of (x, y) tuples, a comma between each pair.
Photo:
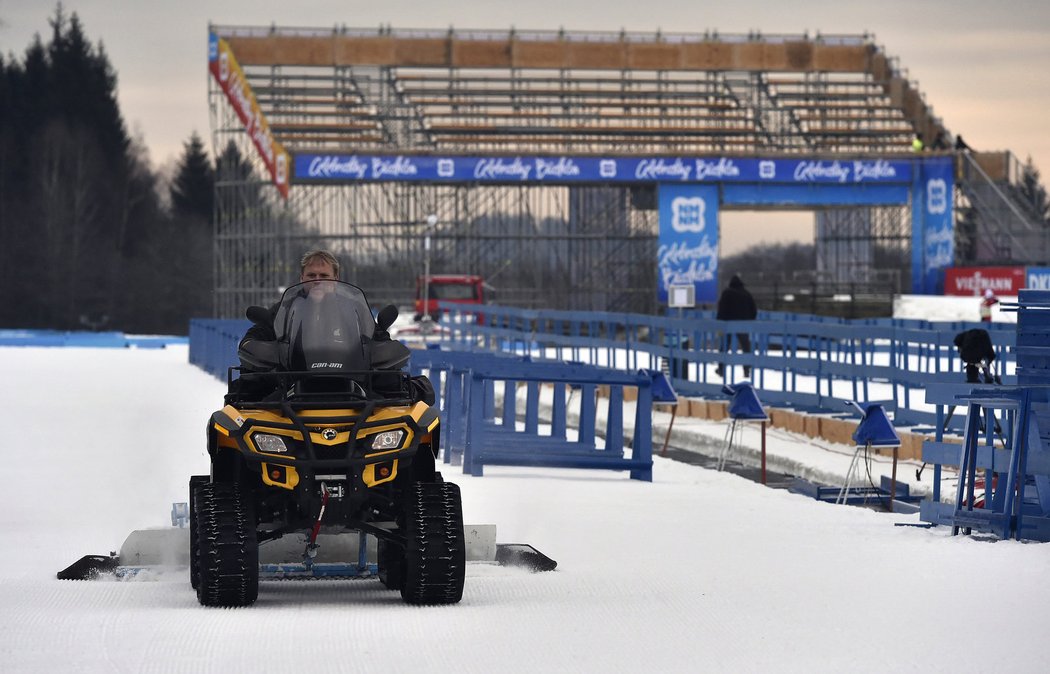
[(322, 433)]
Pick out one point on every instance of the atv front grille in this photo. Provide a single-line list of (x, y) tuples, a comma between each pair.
[(330, 453)]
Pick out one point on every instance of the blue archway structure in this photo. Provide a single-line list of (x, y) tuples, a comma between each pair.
[(691, 192)]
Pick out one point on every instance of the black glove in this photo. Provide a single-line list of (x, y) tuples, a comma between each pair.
[(422, 389)]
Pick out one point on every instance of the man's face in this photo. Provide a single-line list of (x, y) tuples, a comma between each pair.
[(317, 270)]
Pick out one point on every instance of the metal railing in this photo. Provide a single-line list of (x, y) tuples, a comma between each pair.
[(807, 362)]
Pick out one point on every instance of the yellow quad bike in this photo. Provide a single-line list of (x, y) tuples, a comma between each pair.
[(323, 432)]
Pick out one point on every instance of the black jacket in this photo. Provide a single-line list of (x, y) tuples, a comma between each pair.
[(736, 303), (975, 345)]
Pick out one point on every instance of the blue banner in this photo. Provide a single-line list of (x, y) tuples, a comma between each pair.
[(1037, 278), (688, 247), (814, 194), (933, 231), (567, 169)]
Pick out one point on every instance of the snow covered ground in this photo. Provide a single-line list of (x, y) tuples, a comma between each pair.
[(697, 571), (949, 308)]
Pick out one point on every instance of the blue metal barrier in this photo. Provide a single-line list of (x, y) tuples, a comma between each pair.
[(478, 434), (213, 343), (106, 340), (807, 362)]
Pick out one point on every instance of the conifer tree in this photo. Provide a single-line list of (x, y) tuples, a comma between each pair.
[(193, 189), (72, 194), (1032, 192)]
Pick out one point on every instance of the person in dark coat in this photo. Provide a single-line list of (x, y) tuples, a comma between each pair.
[(317, 265), (736, 304), (976, 350)]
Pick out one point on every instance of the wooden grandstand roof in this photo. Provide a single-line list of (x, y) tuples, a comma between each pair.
[(545, 92)]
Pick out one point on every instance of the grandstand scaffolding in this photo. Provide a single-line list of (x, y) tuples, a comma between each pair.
[(583, 247)]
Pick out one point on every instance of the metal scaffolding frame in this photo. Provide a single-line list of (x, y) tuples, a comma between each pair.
[(584, 248), (865, 246), (580, 247)]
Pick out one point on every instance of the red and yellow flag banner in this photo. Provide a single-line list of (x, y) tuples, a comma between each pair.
[(227, 72)]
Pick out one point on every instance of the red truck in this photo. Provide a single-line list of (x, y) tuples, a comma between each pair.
[(458, 288)]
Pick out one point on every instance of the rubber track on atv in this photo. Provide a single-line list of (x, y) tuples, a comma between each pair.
[(229, 550), (195, 574), (435, 554)]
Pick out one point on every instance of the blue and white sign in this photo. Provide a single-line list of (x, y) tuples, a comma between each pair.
[(1037, 278), (933, 232), (566, 169), (688, 248)]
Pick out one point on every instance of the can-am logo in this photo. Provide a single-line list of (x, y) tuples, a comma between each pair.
[(687, 214)]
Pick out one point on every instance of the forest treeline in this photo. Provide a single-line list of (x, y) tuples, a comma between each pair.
[(86, 239)]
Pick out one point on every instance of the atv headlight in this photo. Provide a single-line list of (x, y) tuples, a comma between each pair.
[(387, 440), (271, 444)]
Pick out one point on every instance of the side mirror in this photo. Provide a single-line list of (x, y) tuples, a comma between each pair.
[(387, 316), (259, 315)]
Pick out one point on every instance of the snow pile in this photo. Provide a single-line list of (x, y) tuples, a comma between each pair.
[(949, 308)]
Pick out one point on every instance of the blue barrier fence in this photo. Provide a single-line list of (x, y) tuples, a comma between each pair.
[(807, 362), (213, 343), (106, 340), (478, 432)]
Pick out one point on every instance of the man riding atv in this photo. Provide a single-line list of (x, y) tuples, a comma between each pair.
[(323, 432), (316, 265)]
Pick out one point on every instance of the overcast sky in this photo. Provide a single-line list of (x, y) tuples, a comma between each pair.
[(983, 66)]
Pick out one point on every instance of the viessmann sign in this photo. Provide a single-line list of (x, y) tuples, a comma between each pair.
[(569, 169), (975, 280)]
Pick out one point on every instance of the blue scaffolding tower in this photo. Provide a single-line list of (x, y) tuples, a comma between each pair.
[(1015, 476)]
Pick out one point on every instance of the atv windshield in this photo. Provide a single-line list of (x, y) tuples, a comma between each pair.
[(324, 326)]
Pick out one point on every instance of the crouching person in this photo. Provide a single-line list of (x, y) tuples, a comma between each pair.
[(975, 349)]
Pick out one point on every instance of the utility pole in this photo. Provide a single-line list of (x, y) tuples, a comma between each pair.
[(426, 322)]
